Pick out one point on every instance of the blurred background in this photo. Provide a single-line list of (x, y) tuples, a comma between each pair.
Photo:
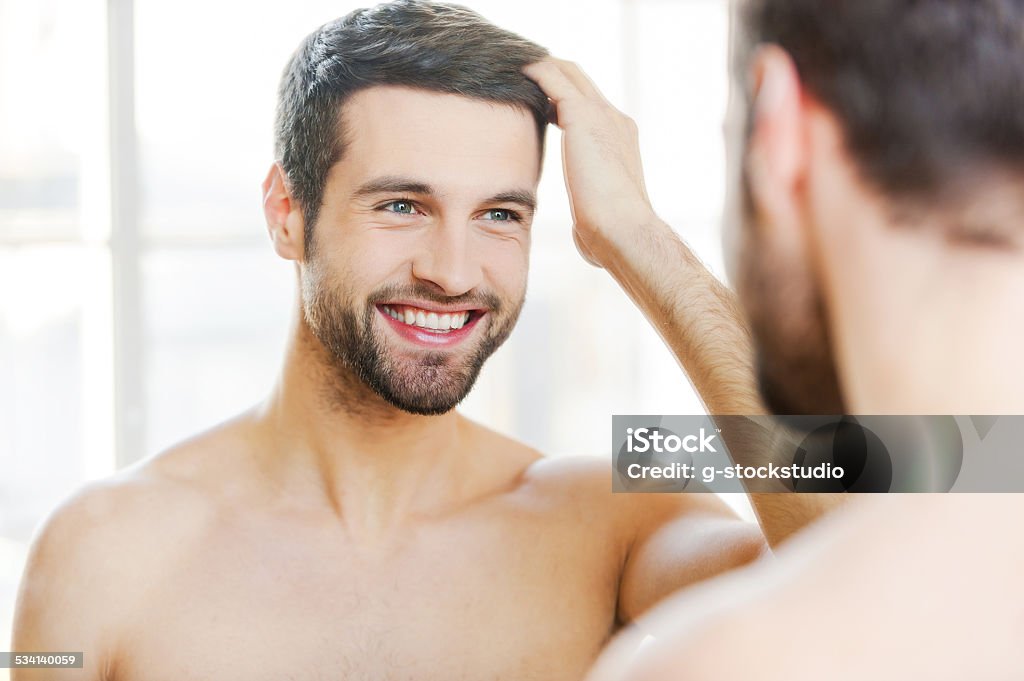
[(141, 302)]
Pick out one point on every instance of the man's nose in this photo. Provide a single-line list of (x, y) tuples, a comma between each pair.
[(448, 259)]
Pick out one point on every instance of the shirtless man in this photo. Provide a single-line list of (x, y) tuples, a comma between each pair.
[(354, 526), (877, 147)]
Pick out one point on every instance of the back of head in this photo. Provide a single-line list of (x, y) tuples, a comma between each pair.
[(925, 90), (881, 202), (412, 43)]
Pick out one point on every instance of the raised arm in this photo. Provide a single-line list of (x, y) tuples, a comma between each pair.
[(699, 318)]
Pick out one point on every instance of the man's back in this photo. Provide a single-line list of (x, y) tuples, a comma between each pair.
[(872, 591)]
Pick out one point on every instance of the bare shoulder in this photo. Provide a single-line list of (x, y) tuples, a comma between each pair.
[(98, 555), (580, 477), (587, 480), (580, 480), (101, 547), (165, 496), (149, 504), (106, 532)]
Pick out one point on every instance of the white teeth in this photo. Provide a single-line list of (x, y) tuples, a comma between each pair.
[(429, 320)]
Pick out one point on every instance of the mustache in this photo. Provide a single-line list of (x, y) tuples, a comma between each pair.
[(475, 299)]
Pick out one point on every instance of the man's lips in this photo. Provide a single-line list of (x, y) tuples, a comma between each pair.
[(434, 326)]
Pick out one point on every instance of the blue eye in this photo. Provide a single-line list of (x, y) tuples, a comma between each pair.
[(502, 215), (401, 207)]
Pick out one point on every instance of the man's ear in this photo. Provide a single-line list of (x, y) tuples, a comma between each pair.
[(285, 223), (777, 154)]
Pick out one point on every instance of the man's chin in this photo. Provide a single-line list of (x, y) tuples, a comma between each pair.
[(430, 402), (427, 384), (423, 409)]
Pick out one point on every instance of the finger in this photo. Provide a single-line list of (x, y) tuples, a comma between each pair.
[(559, 89), (580, 79), (552, 80)]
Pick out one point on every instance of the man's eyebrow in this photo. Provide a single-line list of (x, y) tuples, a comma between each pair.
[(524, 198), (393, 184)]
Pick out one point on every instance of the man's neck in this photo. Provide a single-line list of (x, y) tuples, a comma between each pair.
[(330, 439)]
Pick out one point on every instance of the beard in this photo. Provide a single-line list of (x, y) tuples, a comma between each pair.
[(430, 382), (796, 367), (796, 372)]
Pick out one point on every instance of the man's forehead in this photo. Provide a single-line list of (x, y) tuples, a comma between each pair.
[(400, 131)]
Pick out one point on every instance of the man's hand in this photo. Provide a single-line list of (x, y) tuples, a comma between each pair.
[(601, 158)]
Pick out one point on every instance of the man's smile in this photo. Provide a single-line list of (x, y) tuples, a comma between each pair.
[(431, 325)]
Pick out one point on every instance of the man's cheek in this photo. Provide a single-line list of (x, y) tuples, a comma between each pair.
[(508, 270)]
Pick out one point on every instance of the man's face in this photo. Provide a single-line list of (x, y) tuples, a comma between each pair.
[(419, 261), (780, 293)]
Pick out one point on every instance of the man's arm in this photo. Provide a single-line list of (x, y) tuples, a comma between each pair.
[(699, 319), (678, 540)]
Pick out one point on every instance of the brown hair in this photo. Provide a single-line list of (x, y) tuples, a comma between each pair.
[(925, 90)]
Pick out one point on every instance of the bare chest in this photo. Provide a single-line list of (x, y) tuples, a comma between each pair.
[(474, 602)]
